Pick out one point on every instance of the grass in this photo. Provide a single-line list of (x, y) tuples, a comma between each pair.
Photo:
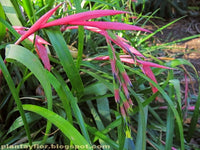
[(115, 94)]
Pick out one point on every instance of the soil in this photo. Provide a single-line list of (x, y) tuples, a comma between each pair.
[(183, 28), (189, 50)]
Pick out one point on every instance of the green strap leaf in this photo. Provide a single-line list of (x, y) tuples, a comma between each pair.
[(142, 122), (16, 97), (158, 30), (62, 94), (24, 56), (64, 125), (66, 59), (74, 105), (28, 7), (170, 116), (179, 61), (31, 117), (80, 45), (20, 15), (10, 28), (2, 27), (194, 120), (10, 12), (100, 135)]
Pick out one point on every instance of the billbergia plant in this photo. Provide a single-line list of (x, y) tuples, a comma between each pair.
[(107, 93)]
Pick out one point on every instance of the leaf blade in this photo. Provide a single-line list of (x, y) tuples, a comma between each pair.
[(24, 56), (61, 123), (66, 59), (2, 27), (16, 97)]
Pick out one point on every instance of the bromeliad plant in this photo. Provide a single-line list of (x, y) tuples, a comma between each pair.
[(121, 79), (121, 87), (101, 27)]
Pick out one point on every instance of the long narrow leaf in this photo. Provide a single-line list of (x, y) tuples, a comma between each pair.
[(10, 12), (19, 121), (28, 7), (28, 59), (74, 105), (80, 45), (66, 59), (2, 27), (194, 120), (63, 96), (97, 119), (9, 27), (19, 12), (62, 124), (16, 97), (158, 30), (141, 134), (98, 77), (100, 135), (170, 116)]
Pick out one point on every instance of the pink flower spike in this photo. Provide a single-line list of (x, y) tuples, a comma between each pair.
[(20, 28), (38, 24), (186, 90), (127, 60), (119, 41), (31, 38), (163, 107), (148, 72), (165, 143), (82, 17), (145, 63), (116, 94), (40, 40), (122, 39), (126, 78), (123, 111), (133, 17), (113, 64), (101, 58), (40, 49), (191, 108), (125, 90), (126, 105), (94, 29), (130, 101), (125, 56), (108, 25), (42, 53), (128, 48)]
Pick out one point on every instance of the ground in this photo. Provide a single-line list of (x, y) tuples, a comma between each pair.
[(181, 29), (190, 49)]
